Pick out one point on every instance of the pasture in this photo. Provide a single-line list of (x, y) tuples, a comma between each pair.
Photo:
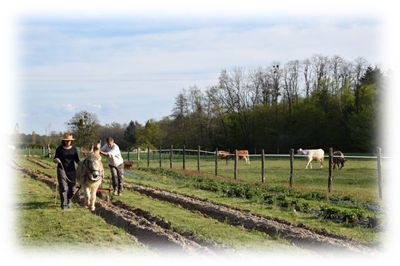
[(352, 211), (357, 179), (42, 224)]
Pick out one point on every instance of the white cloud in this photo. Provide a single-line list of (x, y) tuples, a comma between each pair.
[(69, 107), (102, 70)]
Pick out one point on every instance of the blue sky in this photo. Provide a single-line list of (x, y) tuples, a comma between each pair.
[(132, 68)]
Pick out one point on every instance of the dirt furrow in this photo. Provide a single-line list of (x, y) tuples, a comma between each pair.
[(298, 235), (142, 227), (40, 163)]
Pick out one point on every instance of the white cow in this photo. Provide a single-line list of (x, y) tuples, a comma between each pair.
[(317, 155)]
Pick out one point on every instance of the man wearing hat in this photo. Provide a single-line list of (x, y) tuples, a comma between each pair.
[(66, 156)]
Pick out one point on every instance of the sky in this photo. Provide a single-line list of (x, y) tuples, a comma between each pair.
[(131, 68)]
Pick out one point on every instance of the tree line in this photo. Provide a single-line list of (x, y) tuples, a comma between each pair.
[(318, 102)]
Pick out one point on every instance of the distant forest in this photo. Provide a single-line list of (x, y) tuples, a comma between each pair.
[(318, 102)]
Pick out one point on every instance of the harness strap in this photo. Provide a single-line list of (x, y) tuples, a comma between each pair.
[(91, 177)]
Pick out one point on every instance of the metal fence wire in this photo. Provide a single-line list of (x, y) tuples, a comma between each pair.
[(262, 167)]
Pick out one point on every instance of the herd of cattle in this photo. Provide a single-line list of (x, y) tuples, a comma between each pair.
[(311, 155)]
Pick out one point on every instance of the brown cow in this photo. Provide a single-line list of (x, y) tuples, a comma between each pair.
[(338, 159), (244, 154), (223, 155)]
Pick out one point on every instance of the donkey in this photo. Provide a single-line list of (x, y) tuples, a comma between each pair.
[(89, 175)]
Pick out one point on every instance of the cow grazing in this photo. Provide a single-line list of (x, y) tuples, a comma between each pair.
[(338, 159), (89, 175), (244, 154), (223, 155), (317, 155)]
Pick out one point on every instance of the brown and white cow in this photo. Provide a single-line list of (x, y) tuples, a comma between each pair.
[(244, 154), (223, 155)]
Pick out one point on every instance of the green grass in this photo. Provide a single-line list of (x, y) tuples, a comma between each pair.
[(202, 227), (183, 220), (357, 178), (41, 223), (363, 192), (364, 235)]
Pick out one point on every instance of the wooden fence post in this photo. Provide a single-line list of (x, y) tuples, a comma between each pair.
[(330, 169), (235, 167), (262, 166), (128, 155), (216, 162), (170, 156), (379, 169), (29, 152), (198, 159), (291, 167), (138, 156), (184, 158), (148, 157), (160, 157)]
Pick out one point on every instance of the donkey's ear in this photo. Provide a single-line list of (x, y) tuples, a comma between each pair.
[(98, 144)]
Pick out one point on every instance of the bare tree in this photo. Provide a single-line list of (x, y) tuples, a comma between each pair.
[(195, 100), (290, 82), (359, 67), (258, 87), (307, 73), (320, 68), (181, 108), (275, 76), (335, 66)]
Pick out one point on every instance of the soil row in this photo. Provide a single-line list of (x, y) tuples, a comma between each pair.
[(40, 162), (147, 229), (298, 235)]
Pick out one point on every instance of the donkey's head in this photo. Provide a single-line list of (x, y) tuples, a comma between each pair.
[(93, 163)]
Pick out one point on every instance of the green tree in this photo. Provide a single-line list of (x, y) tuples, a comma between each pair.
[(34, 138), (130, 134), (84, 126)]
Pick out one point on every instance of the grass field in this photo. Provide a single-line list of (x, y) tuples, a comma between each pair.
[(41, 223), (358, 178), (353, 194), (257, 205), (182, 221)]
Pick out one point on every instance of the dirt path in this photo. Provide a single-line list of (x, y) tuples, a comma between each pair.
[(300, 236), (40, 162), (146, 228)]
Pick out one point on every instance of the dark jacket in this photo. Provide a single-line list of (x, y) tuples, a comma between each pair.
[(68, 157)]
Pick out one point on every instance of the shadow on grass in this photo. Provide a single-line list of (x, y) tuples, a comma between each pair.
[(35, 205)]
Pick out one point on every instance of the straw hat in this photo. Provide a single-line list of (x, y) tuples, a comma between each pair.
[(68, 136)]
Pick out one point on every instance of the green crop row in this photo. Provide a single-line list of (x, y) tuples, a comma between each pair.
[(316, 204)]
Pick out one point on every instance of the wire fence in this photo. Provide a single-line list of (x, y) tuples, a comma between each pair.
[(361, 172)]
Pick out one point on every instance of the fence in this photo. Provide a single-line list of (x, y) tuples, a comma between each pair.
[(264, 167)]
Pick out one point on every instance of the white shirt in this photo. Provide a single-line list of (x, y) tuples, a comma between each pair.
[(114, 154)]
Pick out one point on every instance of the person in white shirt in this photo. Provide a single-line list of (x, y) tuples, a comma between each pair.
[(116, 164)]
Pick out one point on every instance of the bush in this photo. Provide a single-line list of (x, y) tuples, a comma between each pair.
[(268, 199)]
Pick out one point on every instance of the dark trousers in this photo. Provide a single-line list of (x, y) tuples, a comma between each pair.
[(117, 175), (66, 185)]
